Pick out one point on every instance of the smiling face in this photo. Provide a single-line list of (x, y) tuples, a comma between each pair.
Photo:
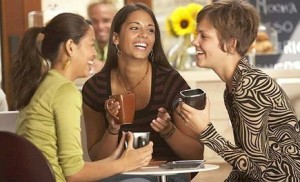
[(207, 44), (137, 35), (101, 16), (84, 54)]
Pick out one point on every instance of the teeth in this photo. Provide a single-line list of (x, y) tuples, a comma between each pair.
[(90, 62), (199, 52), (140, 45)]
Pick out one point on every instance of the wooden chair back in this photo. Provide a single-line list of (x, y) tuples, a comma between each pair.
[(21, 160)]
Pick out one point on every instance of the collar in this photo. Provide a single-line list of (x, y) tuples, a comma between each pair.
[(242, 68), (101, 54)]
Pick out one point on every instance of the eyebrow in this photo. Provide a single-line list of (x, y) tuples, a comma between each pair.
[(140, 24)]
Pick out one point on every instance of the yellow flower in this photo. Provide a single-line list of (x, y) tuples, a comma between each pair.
[(182, 20), (194, 9)]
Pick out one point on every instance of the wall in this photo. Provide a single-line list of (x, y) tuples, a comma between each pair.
[(13, 16), (53, 7)]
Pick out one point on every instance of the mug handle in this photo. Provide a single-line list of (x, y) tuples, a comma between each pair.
[(141, 142), (108, 111), (176, 103)]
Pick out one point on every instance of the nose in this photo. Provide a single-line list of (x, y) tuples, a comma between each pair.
[(142, 33), (101, 25), (195, 42)]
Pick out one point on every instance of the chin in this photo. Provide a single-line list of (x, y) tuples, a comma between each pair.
[(84, 75), (200, 63)]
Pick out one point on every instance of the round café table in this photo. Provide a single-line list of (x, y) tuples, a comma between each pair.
[(162, 173)]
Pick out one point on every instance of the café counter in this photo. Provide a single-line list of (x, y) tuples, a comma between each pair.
[(204, 75)]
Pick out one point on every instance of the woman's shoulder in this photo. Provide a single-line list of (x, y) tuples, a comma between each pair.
[(257, 75), (257, 81), (160, 70), (98, 80), (101, 75)]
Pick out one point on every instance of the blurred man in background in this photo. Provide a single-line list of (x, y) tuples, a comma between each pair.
[(101, 13)]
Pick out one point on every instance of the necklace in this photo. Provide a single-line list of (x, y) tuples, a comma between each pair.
[(132, 88)]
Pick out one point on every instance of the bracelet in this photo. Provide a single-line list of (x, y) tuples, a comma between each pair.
[(168, 134), (111, 132)]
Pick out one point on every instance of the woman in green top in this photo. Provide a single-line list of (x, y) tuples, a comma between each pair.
[(50, 104)]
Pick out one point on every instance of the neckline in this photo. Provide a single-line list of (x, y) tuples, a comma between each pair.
[(121, 81), (153, 80)]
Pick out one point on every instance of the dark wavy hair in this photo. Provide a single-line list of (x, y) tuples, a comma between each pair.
[(30, 64), (119, 19)]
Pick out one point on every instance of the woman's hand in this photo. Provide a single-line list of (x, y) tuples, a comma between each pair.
[(135, 158), (112, 107), (196, 119), (119, 150), (162, 123)]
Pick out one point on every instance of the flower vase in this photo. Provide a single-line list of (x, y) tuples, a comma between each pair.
[(178, 55)]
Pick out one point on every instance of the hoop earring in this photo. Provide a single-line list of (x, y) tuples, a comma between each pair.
[(152, 55), (119, 53), (67, 64)]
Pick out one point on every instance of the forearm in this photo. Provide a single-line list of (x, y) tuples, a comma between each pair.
[(234, 155), (184, 146), (104, 147), (94, 171)]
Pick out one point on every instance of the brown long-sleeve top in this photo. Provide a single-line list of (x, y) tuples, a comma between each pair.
[(265, 128), (165, 87)]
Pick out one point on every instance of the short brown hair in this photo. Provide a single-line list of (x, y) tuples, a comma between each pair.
[(236, 19)]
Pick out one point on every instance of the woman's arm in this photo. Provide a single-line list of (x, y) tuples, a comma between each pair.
[(179, 137), (184, 139), (116, 163), (100, 142)]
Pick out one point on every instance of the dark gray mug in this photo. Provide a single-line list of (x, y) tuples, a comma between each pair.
[(192, 97), (140, 139)]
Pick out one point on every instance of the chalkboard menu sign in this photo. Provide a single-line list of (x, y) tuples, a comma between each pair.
[(283, 16)]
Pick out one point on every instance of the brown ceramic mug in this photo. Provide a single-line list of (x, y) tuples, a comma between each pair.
[(127, 110), (192, 97)]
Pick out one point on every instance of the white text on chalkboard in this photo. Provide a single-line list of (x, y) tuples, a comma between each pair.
[(271, 8)]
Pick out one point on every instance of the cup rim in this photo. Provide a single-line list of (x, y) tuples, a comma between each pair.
[(140, 132), (194, 95)]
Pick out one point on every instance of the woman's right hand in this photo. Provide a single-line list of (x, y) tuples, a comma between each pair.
[(197, 120), (136, 158), (112, 107)]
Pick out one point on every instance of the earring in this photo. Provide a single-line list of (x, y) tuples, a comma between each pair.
[(67, 64), (152, 55), (119, 53)]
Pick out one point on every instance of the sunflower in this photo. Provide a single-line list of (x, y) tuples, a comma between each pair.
[(194, 9), (181, 22)]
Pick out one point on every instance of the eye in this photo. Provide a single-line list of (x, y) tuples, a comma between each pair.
[(203, 36), (134, 28), (152, 30)]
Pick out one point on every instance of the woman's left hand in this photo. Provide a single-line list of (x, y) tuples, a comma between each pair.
[(163, 121), (119, 150)]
